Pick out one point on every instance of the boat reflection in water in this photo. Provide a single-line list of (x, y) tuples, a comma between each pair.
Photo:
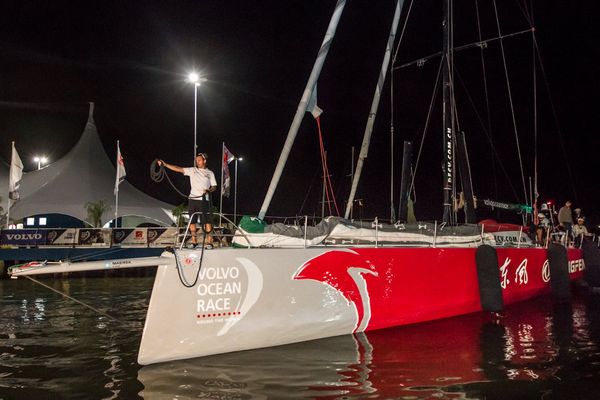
[(534, 347)]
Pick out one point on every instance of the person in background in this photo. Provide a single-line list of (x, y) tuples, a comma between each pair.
[(543, 228), (202, 182), (565, 219), (580, 231)]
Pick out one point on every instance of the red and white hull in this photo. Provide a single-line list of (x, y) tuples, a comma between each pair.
[(252, 298)]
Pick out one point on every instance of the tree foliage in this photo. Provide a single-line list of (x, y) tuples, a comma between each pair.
[(95, 211)]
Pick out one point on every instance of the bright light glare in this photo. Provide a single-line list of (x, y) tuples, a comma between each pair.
[(193, 77), (44, 160), (36, 159), (241, 158)]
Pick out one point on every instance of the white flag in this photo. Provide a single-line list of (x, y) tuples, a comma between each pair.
[(120, 169), (16, 173)]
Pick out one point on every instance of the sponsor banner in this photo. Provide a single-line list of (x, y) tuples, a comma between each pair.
[(94, 237), (23, 237), (509, 238), (61, 237), (130, 236), (160, 237)]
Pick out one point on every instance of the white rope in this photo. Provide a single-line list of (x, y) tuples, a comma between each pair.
[(71, 298)]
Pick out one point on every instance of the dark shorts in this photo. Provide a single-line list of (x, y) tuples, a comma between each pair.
[(202, 208)]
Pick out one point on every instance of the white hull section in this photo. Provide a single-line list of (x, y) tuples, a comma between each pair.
[(237, 305)]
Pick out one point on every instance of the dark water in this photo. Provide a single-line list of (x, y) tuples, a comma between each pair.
[(52, 348)]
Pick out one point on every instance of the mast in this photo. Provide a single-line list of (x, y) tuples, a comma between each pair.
[(374, 106), (312, 80), (405, 182), (448, 112)]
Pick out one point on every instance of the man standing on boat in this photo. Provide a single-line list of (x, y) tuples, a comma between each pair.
[(565, 219), (202, 182)]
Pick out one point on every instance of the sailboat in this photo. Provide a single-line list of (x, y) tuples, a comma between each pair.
[(347, 279)]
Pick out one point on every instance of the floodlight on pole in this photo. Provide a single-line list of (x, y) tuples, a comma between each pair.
[(194, 78), (40, 161)]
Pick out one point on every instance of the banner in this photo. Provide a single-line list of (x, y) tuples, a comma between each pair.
[(130, 237), (23, 237), (94, 237), (61, 237), (161, 237)]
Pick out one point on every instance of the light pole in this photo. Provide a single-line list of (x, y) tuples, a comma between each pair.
[(235, 190), (196, 80), (40, 160)]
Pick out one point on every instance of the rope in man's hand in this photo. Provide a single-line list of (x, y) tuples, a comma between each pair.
[(158, 172)]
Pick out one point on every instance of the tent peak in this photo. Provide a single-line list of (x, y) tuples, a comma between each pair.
[(91, 112)]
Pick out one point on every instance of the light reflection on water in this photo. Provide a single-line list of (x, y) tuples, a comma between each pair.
[(51, 347)]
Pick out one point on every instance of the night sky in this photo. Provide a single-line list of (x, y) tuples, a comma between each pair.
[(131, 58)]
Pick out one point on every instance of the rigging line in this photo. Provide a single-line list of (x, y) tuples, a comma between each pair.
[(71, 298), (487, 97), (401, 34), (312, 181), (325, 193), (512, 107), (535, 124), (525, 11), (392, 216), (531, 13), (327, 187), (429, 112), (487, 134), (480, 43), (555, 117), (103, 253), (468, 161), (331, 192)]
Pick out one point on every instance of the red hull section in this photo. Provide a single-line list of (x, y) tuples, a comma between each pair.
[(400, 286)]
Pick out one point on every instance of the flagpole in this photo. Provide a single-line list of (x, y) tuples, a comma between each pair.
[(117, 189), (8, 209), (222, 184), (8, 212), (235, 194), (14, 178)]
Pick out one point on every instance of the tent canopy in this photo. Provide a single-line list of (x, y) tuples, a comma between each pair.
[(83, 175)]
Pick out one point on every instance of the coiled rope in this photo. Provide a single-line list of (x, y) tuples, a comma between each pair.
[(158, 173)]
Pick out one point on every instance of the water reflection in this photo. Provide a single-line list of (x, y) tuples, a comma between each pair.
[(53, 348), (454, 358)]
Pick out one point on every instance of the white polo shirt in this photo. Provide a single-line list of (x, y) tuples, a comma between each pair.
[(201, 179)]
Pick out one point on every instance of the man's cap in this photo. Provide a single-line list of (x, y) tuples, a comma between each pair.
[(203, 155)]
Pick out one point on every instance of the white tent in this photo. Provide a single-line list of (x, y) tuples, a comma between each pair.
[(83, 175)]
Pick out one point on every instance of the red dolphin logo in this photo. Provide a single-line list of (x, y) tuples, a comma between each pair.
[(343, 270)]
